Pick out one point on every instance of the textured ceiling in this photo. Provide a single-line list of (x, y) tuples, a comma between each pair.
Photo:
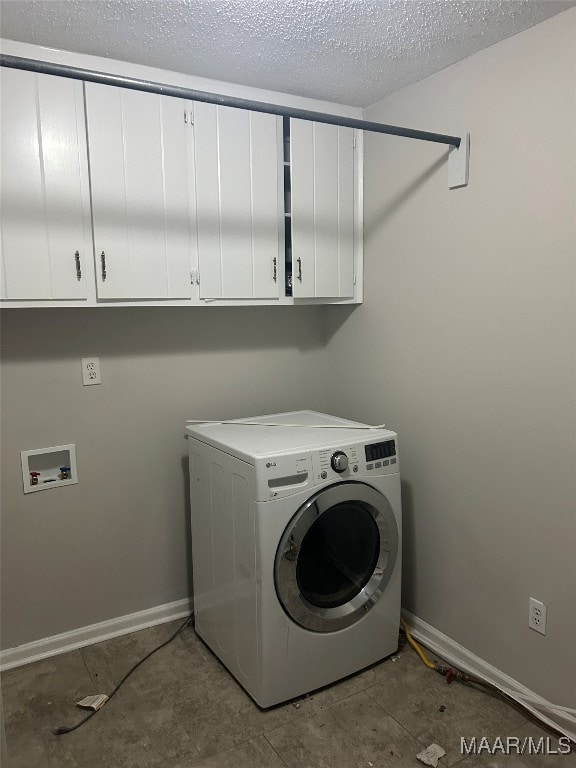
[(347, 51)]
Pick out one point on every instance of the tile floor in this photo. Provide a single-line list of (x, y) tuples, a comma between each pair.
[(182, 708)]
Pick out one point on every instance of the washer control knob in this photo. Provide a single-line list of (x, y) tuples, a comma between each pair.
[(339, 461)]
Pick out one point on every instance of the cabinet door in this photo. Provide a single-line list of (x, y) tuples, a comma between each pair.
[(45, 237), (139, 150), (238, 202), (322, 177)]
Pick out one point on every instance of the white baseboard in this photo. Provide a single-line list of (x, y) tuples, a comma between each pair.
[(463, 659), (95, 633)]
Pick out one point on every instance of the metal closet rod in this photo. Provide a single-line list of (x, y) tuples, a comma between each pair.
[(149, 86)]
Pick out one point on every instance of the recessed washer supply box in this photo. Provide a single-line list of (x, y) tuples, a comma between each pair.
[(44, 468)]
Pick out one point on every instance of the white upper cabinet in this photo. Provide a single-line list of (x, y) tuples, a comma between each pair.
[(322, 212), (142, 183), (238, 159), (111, 195), (44, 190)]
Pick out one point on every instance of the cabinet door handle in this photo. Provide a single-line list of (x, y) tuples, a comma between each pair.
[(78, 268), (275, 276), (103, 264), (299, 269)]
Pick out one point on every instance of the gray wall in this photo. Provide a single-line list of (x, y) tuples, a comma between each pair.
[(118, 541), (466, 345)]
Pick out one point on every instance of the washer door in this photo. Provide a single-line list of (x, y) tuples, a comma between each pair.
[(336, 556)]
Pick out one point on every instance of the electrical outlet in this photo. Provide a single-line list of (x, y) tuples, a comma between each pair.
[(91, 371), (537, 616)]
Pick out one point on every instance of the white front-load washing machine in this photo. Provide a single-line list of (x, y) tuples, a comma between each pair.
[(296, 542)]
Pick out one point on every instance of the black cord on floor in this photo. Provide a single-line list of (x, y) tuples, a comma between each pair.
[(61, 729)]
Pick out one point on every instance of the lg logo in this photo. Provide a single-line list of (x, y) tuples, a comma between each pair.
[(270, 464)]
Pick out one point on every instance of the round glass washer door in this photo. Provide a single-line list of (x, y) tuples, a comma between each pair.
[(336, 556)]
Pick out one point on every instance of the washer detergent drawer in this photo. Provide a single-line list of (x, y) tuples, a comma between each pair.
[(280, 476)]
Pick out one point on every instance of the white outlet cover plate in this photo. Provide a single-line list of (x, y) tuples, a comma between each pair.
[(537, 616), (91, 371)]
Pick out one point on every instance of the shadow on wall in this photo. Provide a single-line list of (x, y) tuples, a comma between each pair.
[(186, 481), (336, 317), (372, 224), (60, 333), (408, 537)]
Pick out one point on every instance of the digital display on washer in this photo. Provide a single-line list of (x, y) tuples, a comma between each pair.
[(380, 450)]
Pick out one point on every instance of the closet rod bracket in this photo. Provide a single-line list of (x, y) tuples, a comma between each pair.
[(458, 163)]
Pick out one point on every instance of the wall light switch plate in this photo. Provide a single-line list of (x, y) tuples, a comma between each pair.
[(91, 371)]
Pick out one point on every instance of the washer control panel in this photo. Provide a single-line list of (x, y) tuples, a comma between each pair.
[(347, 462), (381, 455), (332, 463)]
